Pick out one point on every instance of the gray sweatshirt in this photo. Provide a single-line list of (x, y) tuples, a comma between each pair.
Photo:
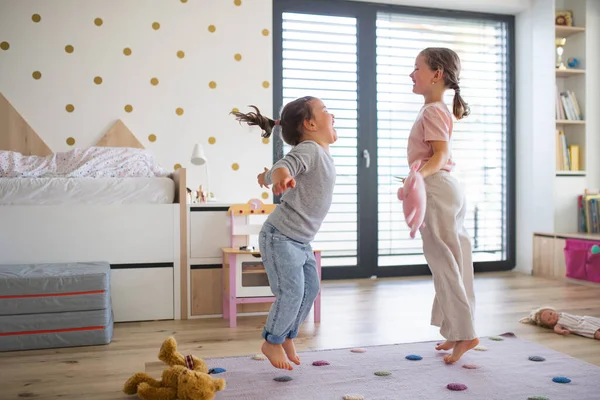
[(303, 208)]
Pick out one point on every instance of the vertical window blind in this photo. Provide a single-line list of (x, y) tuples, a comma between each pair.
[(320, 59), (479, 141)]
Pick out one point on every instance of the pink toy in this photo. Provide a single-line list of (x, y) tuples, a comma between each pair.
[(414, 200)]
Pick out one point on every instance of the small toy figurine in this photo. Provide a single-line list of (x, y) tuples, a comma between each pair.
[(563, 323)]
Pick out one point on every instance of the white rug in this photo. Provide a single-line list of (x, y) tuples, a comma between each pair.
[(504, 372)]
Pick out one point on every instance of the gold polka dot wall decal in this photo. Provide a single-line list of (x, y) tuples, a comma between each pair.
[(36, 74), (98, 21), (183, 1), (212, 140), (180, 54), (152, 138), (235, 110), (36, 18), (266, 84), (176, 166), (155, 26), (98, 80), (212, 84), (265, 195), (238, 57), (237, 2), (265, 32), (154, 81), (128, 108), (265, 140), (212, 28), (70, 141), (70, 107), (69, 49), (179, 111), (235, 166), (4, 46), (127, 51)]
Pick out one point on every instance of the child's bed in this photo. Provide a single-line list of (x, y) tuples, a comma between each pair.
[(79, 206)]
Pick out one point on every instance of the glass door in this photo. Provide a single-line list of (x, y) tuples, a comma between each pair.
[(479, 141)]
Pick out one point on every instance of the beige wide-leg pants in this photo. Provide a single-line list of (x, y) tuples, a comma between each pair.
[(447, 249)]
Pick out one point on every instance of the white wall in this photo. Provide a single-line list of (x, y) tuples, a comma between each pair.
[(183, 82), (535, 96)]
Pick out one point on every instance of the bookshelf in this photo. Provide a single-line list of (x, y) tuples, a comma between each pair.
[(577, 122), (570, 83)]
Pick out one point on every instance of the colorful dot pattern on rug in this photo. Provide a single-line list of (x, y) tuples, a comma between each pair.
[(536, 358), (505, 371), (354, 397), (456, 386), (259, 357), (383, 373), (496, 338), (216, 370)]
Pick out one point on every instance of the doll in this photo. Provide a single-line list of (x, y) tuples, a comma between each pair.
[(563, 323)]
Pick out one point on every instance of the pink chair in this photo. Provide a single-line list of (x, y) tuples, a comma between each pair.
[(244, 277)]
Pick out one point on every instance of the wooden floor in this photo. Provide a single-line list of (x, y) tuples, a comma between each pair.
[(355, 313)]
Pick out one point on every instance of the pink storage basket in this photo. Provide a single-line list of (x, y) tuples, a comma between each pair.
[(577, 253), (592, 268)]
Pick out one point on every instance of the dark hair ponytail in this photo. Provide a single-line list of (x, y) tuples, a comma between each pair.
[(256, 119), (293, 116), (460, 108)]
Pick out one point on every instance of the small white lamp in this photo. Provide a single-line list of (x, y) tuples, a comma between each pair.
[(198, 158)]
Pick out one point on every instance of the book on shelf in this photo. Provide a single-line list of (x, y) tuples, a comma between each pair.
[(567, 106), (567, 156), (588, 212)]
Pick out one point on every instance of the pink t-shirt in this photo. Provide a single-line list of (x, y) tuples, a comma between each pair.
[(434, 123)]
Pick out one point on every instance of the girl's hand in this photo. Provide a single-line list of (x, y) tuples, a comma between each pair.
[(261, 178), (285, 183)]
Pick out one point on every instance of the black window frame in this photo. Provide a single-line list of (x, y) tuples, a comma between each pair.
[(366, 36)]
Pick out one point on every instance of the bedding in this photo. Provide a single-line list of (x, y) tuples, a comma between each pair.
[(86, 191), (92, 162)]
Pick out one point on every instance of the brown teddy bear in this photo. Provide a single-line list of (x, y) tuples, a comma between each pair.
[(186, 378)]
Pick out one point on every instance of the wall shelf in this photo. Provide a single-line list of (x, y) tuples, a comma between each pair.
[(565, 73), (570, 173), (569, 122), (566, 31)]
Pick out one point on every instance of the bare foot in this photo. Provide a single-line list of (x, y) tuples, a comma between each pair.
[(597, 334), (460, 348), (290, 351), (276, 355), (447, 345)]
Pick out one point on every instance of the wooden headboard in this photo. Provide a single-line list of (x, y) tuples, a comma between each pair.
[(17, 135)]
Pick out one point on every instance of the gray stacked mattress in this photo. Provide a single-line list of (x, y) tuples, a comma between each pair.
[(55, 305)]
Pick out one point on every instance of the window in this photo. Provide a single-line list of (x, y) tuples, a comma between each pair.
[(479, 143), (357, 58)]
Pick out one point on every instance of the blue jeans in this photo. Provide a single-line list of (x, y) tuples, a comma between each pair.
[(294, 280)]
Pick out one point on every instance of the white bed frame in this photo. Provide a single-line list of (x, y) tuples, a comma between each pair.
[(146, 244)]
